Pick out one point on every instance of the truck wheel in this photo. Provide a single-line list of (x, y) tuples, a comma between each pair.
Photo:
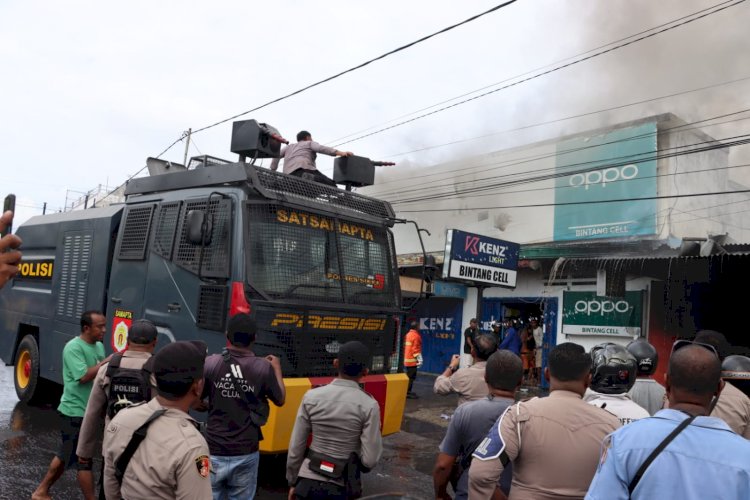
[(26, 373)]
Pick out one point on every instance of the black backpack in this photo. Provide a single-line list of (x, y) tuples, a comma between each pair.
[(127, 386)]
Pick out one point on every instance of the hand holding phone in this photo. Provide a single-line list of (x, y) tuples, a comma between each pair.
[(10, 257)]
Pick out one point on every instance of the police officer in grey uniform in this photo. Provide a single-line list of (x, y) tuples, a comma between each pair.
[(171, 461), (343, 420), (141, 343), (553, 442)]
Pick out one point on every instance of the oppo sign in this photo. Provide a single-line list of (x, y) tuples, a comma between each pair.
[(601, 307), (602, 177)]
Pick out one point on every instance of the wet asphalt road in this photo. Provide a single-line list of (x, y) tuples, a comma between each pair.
[(29, 436)]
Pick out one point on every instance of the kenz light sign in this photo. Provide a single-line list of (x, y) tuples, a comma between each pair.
[(473, 257)]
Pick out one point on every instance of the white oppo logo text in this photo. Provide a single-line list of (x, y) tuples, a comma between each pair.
[(601, 307), (602, 177)]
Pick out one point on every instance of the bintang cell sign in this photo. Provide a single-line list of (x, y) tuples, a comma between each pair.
[(585, 313), (619, 165), (481, 259)]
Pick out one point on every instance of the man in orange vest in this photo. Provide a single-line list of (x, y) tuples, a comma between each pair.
[(412, 356)]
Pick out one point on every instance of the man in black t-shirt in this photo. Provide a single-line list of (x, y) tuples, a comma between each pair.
[(239, 385), (469, 335)]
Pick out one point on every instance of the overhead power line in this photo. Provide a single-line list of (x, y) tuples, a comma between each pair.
[(531, 71), (532, 190), (354, 68), (565, 118), (495, 166), (556, 172), (547, 72), (587, 202)]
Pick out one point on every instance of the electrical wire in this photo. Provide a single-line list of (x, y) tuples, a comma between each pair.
[(354, 68), (687, 19), (597, 164), (714, 169), (538, 75), (586, 202), (557, 120), (659, 212), (531, 71), (493, 167)]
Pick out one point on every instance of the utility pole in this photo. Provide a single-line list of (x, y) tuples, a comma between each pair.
[(187, 144), (44, 208)]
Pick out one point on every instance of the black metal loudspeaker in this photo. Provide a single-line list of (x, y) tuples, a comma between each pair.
[(356, 171), (253, 139)]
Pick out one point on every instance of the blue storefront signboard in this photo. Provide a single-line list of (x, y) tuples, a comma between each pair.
[(448, 289), (473, 257), (440, 326), (619, 165)]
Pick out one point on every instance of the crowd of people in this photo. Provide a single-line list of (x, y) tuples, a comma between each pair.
[(607, 430), (139, 405)]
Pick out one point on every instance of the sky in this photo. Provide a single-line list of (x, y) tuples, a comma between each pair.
[(91, 89)]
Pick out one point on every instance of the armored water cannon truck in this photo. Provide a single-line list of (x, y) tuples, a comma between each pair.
[(193, 245)]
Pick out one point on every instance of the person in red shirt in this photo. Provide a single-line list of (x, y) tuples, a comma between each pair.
[(412, 356)]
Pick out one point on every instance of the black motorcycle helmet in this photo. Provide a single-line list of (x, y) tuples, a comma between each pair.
[(646, 356), (736, 370), (613, 369)]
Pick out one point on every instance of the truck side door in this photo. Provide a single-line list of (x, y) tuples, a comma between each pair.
[(129, 273), (186, 294)]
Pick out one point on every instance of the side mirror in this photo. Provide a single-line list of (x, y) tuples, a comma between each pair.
[(199, 228)]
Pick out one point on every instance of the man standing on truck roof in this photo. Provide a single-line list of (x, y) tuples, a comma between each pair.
[(82, 358), (299, 158), (10, 257), (105, 400)]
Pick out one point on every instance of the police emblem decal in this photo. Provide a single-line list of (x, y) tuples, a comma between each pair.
[(203, 464)]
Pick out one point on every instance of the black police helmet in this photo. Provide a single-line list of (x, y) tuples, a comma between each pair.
[(735, 369), (613, 369), (646, 356)]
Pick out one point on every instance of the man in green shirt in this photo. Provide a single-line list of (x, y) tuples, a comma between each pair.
[(82, 357)]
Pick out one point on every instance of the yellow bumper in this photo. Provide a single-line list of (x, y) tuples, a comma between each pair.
[(388, 390)]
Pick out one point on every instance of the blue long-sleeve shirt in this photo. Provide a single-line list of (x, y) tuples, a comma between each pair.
[(512, 341)]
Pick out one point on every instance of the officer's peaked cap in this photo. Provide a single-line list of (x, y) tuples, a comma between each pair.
[(142, 331), (177, 365)]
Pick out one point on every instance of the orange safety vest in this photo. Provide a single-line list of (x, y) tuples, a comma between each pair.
[(412, 347)]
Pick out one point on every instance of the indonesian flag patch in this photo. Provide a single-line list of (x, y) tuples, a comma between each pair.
[(326, 466), (203, 464)]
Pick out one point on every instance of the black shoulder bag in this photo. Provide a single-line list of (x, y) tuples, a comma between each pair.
[(258, 411), (656, 452), (138, 436)]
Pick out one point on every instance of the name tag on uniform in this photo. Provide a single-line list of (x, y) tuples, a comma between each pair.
[(492, 446)]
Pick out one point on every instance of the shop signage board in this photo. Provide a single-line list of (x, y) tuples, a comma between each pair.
[(586, 313), (619, 165), (448, 289), (480, 259)]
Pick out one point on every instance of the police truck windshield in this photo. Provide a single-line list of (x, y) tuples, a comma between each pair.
[(293, 254)]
